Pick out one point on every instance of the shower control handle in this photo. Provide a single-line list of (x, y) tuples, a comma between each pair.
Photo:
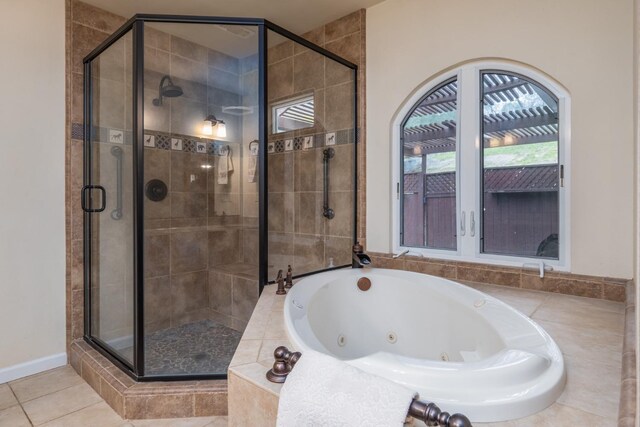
[(84, 199)]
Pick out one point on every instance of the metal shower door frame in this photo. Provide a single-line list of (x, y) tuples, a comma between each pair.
[(136, 370)]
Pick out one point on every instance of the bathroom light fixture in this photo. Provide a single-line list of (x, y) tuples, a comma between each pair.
[(210, 122)]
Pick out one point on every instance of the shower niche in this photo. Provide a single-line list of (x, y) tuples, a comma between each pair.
[(204, 174)]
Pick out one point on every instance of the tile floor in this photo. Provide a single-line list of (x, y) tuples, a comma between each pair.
[(61, 398)]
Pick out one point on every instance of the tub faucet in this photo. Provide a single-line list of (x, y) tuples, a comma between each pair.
[(359, 258)]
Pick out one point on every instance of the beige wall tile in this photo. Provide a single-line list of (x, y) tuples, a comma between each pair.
[(264, 405), (343, 26), (189, 251), (163, 406), (93, 17)]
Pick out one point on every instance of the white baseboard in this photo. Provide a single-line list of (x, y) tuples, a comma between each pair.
[(31, 367)]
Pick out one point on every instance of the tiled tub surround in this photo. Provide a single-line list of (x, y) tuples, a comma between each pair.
[(607, 288), (588, 331)]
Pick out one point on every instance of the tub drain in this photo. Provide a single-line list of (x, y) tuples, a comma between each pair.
[(342, 340), (444, 357), (392, 337)]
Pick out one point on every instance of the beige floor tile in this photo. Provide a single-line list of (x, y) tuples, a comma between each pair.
[(60, 403), (98, 415), (583, 343), (593, 387), (596, 315), (45, 383), (178, 422), (14, 417), (7, 399)]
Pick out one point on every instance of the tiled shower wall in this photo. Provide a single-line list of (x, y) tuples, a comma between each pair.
[(298, 232), (87, 27), (201, 239)]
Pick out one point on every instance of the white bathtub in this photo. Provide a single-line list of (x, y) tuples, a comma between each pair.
[(460, 348)]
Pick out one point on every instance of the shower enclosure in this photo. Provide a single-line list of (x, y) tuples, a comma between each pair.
[(216, 152)]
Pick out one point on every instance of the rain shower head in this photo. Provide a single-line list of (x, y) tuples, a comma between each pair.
[(169, 90)]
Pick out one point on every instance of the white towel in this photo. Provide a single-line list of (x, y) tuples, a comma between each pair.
[(253, 165), (225, 165), (322, 391)]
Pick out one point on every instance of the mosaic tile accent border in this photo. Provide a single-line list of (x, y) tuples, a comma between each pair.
[(153, 139), (191, 144), (317, 140)]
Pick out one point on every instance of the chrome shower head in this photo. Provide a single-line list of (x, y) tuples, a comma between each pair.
[(169, 91)]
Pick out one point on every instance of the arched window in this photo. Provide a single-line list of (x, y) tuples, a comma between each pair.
[(481, 167)]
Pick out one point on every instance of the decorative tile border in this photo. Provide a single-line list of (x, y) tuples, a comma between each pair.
[(152, 140), (191, 144), (132, 400), (306, 142), (607, 288)]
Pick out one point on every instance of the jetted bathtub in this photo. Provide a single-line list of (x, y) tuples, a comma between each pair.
[(457, 347)]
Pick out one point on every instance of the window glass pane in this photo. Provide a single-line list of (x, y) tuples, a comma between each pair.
[(520, 176), (429, 171), (294, 114)]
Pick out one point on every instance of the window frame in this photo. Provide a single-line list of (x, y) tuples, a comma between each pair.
[(469, 133)]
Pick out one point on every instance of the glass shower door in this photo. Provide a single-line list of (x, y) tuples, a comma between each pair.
[(107, 199)]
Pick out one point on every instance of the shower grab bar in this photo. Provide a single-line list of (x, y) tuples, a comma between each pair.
[(327, 154), (117, 212), (426, 412)]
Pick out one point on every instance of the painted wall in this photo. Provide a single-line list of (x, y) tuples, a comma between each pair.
[(586, 45), (32, 223)]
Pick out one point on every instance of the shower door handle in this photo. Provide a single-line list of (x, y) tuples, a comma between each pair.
[(84, 199), (463, 230)]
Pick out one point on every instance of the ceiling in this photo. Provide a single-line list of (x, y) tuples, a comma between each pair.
[(298, 16)]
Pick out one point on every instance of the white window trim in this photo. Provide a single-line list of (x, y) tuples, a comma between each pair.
[(468, 248)]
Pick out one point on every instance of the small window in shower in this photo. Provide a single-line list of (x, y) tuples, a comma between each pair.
[(293, 114)]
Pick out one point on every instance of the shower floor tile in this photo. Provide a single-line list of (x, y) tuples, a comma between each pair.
[(204, 347)]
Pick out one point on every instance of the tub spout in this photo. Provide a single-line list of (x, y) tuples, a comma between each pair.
[(359, 258)]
